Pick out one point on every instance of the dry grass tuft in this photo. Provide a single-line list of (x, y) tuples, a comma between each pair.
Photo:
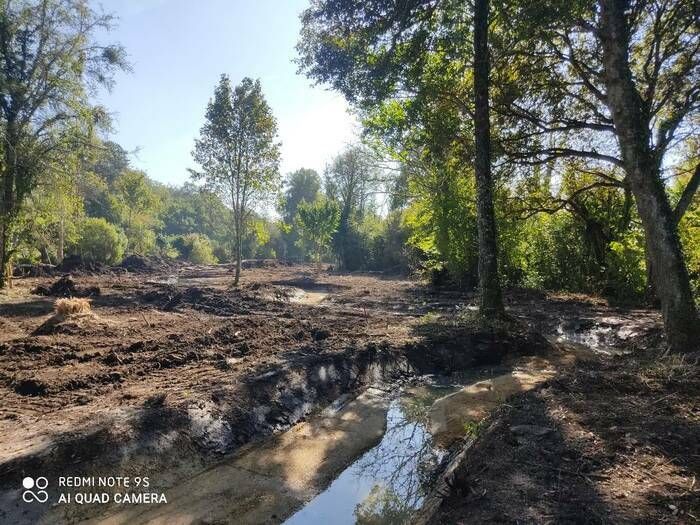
[(72, 305)]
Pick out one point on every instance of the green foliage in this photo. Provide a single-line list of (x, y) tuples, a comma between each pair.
[(101, 241), (383, 506), (303, 185), (195, 248), (138, 206), (50, 64), (441, 221), (190, 209), (238, 152), (316, 222)]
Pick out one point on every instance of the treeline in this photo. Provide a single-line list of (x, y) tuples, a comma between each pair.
[(108, 209)]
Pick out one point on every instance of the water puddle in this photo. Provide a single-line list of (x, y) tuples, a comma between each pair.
[(308, 296), (600, 339), (388, 483)]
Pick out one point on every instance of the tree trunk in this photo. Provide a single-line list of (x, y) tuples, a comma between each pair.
[(650, 290), (491, 302), (4, 256), (61, 239), (239, 234), (643, 172), (7, 202)]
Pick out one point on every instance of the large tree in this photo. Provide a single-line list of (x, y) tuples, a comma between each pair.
[(431, 58), (239, 153), (614, 82), (489, 284), (49, 64)]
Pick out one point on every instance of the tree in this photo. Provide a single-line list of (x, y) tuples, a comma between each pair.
[(49, 62), (238, 152), (138, 205), (350, 179), (491, 302), (413, 58), (303, 185), (191, 209), (317, 221), (101, 241), (53, 211), (628, 94)]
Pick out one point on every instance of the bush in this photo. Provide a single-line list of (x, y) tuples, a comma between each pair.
[(101, 241), (195, 248)]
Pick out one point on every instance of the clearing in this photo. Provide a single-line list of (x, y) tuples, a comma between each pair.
[(256, 403)]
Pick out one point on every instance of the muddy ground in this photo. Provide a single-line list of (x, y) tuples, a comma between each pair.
[(174, 359)]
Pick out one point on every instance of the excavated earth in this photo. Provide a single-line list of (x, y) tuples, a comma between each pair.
[(174, 368)]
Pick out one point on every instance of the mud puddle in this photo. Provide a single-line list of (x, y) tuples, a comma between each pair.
[(388, 483), (311, 297)]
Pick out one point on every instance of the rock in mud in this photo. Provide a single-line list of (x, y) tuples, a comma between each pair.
[(319, 334)]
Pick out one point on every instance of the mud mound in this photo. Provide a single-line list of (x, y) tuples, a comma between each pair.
[(459, 347), (76, 264), (151, 264), (74, 324), (271, 292), (30, 387), (33, 270), (66, 287), (260, 263), (216, 302)]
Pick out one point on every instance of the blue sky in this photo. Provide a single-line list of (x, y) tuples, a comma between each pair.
[(178, 50)]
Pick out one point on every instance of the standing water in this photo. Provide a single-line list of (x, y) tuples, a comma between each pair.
[(388, 482)]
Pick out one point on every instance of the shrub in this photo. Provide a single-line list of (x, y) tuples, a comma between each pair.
[(195, 248), (101, 241)]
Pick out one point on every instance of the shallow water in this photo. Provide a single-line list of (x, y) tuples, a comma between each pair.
[(388, 482)]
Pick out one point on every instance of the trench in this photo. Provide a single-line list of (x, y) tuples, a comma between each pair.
[(388, 482)]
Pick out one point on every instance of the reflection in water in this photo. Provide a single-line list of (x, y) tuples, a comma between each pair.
[(387, 483)]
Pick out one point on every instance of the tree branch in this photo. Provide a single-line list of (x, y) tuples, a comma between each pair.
[(687, 195)]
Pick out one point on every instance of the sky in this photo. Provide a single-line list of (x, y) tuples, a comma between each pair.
[(178, 49)]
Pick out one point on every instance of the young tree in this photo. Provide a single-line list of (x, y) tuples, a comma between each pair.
[(317, 221), (49, 62), (239, 153)]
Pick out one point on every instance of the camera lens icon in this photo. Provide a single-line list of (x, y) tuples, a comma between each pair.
[(39, 495)]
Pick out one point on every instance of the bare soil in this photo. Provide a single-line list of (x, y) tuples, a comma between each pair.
[(175, 359), (612, 441)]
